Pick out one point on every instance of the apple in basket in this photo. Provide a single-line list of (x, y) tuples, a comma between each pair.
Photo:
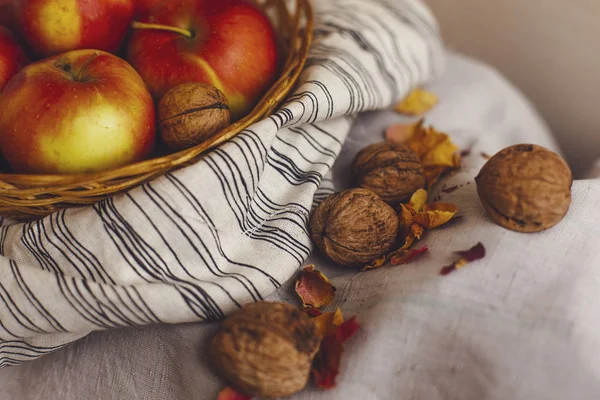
[(229, 44), (81, 111), (12, 57), (54, 26), (6, 13)]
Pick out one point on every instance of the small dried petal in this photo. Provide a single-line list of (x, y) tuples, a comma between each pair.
[(476, 252), (434, 215), (314, 288), (417, 102), (406, 256), (231, 394), (400, 133), (313, 312), (326, 365)]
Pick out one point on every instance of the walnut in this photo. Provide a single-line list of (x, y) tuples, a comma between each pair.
[(354, 227), (191, 113), (392, 171), (525, 188), (266, 349)]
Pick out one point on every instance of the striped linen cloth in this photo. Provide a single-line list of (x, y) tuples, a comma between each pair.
[(200, 242)]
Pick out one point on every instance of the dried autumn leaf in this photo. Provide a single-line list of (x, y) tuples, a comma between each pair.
[(476, 252), (314, 288), (231, 394), (435, 215), (326, 365), (406, 256), (418, 200), (377, 263), (417, 102), (433, 148), (400, 133)]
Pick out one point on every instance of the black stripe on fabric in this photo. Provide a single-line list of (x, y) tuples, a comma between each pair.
[(33, 299), (201, 213)]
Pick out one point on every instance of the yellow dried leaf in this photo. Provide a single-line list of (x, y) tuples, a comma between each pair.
[(417, 102), (433, 148), (400, 133), (435, 215), (418, 200)]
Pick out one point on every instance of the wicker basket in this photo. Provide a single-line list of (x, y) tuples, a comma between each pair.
[(27, 197)]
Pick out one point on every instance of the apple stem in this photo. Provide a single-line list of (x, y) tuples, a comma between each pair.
[(174, 29), (85, 65)]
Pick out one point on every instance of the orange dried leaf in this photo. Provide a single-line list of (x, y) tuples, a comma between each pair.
[(328, 322), (231, 394), (406, 256), (400, 133), (314, 288), (476, 252), (434, 215), (417, 102), (326, 365), (377, 263), (434, 174)]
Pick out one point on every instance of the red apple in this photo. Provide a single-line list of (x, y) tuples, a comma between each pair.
[(12, 57), (55, 26), (82, 111), (6, 13), (227, 43), (142, 7)]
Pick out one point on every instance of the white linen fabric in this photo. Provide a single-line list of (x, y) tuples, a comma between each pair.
[(200, 242), (520, 324)]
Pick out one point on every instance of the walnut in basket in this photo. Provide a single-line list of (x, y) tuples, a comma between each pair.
[(266, 349), (191, 113), (525, 188)]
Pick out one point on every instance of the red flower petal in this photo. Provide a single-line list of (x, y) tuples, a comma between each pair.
[(476, 252), (314, 288)]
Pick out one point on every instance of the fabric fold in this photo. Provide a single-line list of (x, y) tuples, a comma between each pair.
[(199, 242)]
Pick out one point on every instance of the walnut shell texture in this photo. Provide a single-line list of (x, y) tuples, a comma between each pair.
[(266, 349), (191, 113), (525, 188), (354, 227), (391, 171)]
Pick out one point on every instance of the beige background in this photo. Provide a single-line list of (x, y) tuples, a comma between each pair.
[(549, 49)]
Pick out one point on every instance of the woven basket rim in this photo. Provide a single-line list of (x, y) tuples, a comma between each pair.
[(179, 158)]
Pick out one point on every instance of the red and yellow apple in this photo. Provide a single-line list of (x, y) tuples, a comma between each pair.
[(55, 26), (12, 57), (78, 112), (229, 44)]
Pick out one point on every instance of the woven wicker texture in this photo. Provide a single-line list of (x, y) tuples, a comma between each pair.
[(27, 197)]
